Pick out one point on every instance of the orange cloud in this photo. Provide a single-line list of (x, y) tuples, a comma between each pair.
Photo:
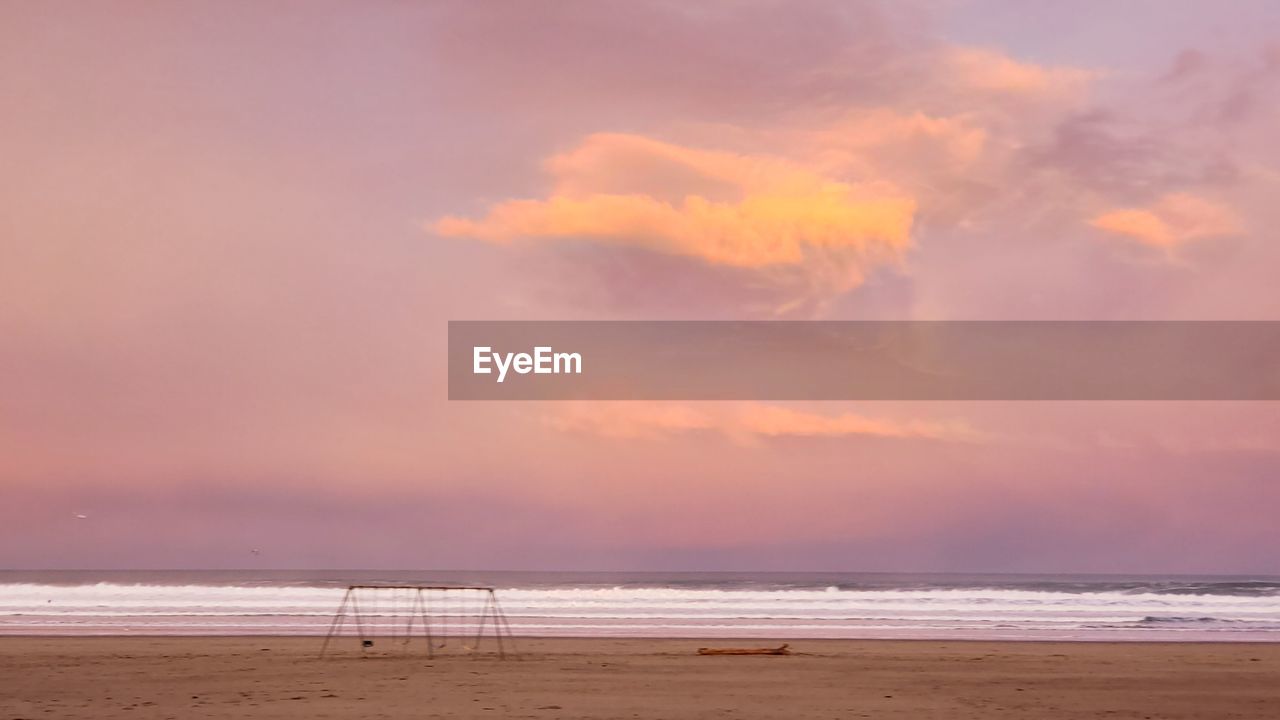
[(630, 420), (776, 421), (818, 202), (946, 162), (743, 211), (1173, 220), (742, 422)]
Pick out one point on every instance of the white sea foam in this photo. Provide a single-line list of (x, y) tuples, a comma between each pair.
[(657, 611)]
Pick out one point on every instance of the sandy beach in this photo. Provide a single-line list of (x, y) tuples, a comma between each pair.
[(603, 678)]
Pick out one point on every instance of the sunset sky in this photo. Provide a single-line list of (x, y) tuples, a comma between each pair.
[(232, 235)]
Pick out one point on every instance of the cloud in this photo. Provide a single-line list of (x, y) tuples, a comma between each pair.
[(991, 71), (745, 189), (1173, 220), (752, 212), (982, 165), (630, 420), (743, 422), (887, 142), (663, 59), (800, 202), (776, 421)]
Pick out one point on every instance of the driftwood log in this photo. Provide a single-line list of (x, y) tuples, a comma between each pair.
[(782, 650)]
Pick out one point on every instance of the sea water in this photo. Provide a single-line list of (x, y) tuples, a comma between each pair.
[(746, 605)]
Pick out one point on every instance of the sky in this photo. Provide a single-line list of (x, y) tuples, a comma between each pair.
[(233, 234)]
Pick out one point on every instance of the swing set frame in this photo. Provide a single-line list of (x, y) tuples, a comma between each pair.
[(419, 613)]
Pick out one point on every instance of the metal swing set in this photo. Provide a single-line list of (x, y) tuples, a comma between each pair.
[(442, 615)]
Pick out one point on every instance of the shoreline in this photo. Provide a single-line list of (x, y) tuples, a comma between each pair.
[(1111, 637), (661, 639), (284, 677)]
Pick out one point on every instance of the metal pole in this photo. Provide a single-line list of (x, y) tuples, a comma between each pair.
[(337, 622)]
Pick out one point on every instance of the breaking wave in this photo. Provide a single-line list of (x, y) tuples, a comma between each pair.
[(945, 609)]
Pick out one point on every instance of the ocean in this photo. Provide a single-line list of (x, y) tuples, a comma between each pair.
[(687, 604)]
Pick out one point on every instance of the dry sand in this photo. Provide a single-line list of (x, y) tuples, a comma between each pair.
[(283, 678)]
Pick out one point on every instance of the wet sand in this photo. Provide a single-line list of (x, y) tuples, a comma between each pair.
[(601, 678)]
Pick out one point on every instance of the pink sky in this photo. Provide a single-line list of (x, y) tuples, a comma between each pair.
[(233, 234)]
